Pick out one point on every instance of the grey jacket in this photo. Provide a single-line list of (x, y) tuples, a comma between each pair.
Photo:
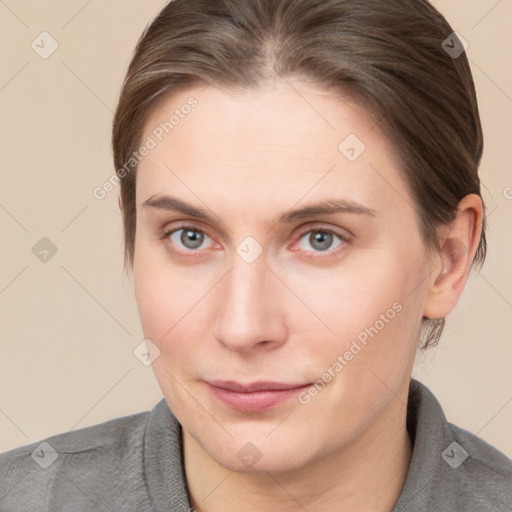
[(135, 463)]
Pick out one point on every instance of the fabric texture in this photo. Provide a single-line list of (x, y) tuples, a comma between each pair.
[(135, 463)]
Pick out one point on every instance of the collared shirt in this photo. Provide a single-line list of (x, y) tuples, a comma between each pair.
[(135, 463)]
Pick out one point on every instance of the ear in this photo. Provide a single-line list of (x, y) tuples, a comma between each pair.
[(459, 242), (119, 203)]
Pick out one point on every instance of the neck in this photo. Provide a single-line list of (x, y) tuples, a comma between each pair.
[(365, 475)]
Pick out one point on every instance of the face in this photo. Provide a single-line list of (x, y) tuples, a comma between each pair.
[(279, 270)]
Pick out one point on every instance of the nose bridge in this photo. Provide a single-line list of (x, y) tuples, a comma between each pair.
[(247, 312), (245, 290)]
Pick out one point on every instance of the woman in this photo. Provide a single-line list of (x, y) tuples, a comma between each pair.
[(297, 225)]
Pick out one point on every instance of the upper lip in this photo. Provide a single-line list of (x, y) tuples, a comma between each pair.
[(254, 386)]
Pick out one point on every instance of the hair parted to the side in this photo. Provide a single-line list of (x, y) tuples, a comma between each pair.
[(386, 54)]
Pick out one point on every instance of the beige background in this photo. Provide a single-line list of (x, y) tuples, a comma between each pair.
[(69, 326)]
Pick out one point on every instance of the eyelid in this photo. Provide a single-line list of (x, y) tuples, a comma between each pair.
[(322, 227)]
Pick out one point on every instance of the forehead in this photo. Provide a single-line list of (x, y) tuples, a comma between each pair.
[(286, 140)]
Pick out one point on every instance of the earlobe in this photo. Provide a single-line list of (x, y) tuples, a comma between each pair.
[(459, 242)]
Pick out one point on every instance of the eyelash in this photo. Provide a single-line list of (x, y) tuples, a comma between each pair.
[(307, 229)]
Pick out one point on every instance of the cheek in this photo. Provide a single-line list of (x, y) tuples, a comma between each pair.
[(348, 300), (162, 297), (153, 301), (174, 304), (165, 303), (366, 315)]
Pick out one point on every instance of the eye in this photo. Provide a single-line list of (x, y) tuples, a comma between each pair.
[(320, 240), (187, 237)]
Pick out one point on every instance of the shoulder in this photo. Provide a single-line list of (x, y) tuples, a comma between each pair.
[(451, 468), (92, 465), (483, 469)]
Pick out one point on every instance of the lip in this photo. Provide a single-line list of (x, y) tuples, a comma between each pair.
[(253, 397)]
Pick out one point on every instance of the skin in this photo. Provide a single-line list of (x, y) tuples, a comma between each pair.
[(246, 158)]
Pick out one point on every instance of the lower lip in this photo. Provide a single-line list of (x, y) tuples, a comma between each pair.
[(254, 401)]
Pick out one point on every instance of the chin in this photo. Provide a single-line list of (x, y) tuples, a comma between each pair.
[(262, 455)]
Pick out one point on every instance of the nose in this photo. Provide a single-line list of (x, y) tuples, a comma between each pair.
[(250, 315)]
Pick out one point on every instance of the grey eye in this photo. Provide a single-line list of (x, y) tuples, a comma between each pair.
[(319, 240), (189, 238)]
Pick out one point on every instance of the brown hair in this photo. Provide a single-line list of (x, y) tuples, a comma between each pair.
[(388, 54)]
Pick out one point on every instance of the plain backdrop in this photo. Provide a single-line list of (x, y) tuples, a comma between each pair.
[(69, 324)]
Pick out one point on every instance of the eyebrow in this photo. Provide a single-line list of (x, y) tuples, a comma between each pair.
[(324, 207)]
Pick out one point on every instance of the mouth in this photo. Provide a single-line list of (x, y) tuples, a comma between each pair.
[(253, 397)]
